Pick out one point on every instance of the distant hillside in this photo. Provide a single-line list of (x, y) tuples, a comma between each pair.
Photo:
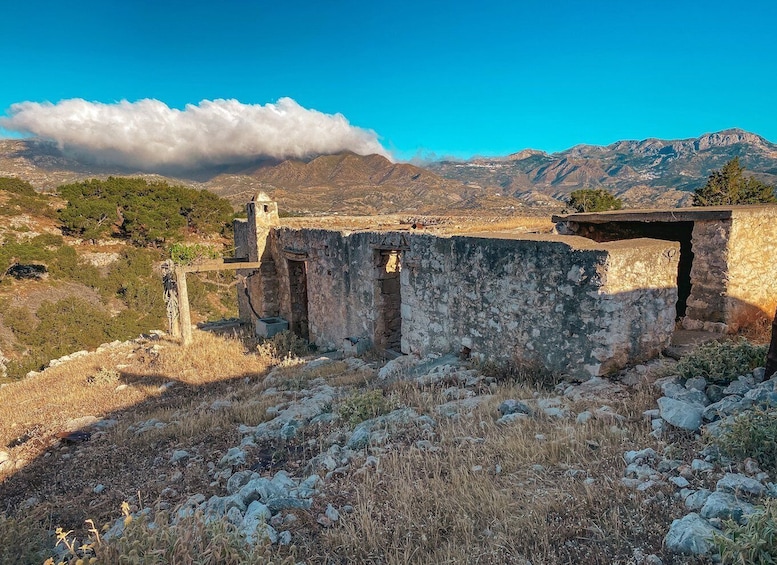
[(651, 172)]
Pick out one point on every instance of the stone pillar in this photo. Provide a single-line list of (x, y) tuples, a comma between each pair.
[(257, 288)]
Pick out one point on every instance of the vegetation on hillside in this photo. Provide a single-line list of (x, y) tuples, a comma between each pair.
[(729, 186), (145, 213), (593, 200), (120, 300), (22, 199)]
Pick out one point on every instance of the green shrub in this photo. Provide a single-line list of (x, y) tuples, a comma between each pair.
[(24, 200), (752, 434), (22, 540), (722, 362), (593, 200), (754, 543), (282, 345), (17, 186), (364, 406), (183, 254)]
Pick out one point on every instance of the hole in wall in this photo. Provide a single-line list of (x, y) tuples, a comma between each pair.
[(298, 294), (388, 299)]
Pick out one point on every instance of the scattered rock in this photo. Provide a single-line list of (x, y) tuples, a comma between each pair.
[(690, 535), (680, 414)]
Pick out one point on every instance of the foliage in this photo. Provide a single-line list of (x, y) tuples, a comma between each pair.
[(190, 539), (21, 540), (39, 249), (283, 344), (17, 186), (188, 254), (364, 406), (729, 186), (519, 371), (22, 199), (593, 200), (145, 213), (752, 434), (722, 362), (753, 543)]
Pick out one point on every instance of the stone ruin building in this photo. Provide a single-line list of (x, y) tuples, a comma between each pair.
[(727, 272), (605, 294)]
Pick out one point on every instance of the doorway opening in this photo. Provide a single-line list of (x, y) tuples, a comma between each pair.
[(298, 294), (388, 300)]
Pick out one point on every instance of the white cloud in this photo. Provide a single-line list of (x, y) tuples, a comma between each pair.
[(149, 135)]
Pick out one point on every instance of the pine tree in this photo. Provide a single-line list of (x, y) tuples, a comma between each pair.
[(729, 186)]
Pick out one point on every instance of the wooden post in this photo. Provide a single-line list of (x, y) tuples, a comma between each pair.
[(183, 306)]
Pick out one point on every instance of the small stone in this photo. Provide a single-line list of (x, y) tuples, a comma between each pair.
[(696, 383), (696, 499), (701, 466), (740, 484), (679, 482), (512, 406), (332, 513), (179, 456), (725, 505)]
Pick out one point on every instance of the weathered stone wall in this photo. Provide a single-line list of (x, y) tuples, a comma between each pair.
[(573, 305), (568, 303), (709, 275), (752, 267)]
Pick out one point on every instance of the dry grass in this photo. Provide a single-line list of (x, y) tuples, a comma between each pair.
[(480, 496), (754, 324), (41, 406)]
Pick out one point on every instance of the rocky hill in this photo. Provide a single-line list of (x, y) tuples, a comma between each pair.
[(651, 172)]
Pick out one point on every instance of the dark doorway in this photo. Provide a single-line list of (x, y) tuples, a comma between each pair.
[(668, 231), (298, 294), (388, 300)]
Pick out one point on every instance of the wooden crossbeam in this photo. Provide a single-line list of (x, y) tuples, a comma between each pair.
[(184, 313)]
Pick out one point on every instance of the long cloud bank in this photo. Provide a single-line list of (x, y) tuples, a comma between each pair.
[(149, 135)]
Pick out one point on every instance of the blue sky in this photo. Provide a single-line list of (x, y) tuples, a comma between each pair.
[(442, 78)]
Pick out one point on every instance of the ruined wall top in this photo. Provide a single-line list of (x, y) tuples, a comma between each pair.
[(692, 214)]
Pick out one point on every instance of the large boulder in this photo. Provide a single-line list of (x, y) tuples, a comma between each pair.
[(690, 535)]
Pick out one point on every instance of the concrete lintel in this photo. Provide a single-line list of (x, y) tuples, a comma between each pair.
[(692, 214), (221, 265)]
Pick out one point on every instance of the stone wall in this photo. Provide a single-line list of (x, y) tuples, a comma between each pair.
[(709, 276), (567, 303), (732, 256), (752, 267), (573, 305)]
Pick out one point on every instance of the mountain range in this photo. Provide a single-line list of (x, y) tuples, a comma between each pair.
[(647, 173)]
